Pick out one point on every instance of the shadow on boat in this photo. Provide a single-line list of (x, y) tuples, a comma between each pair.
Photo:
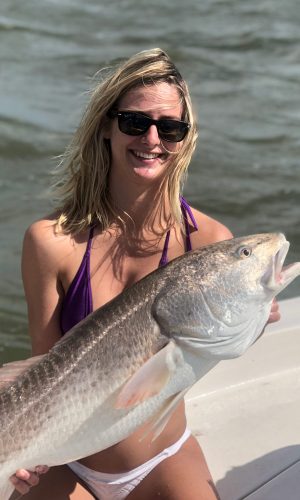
[(274, 476)]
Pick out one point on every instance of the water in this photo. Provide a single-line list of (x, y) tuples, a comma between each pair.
[(241, 60)]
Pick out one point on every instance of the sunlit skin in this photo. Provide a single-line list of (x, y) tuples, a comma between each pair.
[(47, 274), (129, 167)]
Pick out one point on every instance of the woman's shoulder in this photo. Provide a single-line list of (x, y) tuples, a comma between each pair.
[(43, 240), (42, 225), (46, 242), (209, 231), (44, 232)]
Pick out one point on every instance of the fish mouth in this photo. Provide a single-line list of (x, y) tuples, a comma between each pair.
[(279, 270), (278, 276)]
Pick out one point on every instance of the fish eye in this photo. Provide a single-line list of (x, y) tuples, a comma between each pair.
[(244, 252)]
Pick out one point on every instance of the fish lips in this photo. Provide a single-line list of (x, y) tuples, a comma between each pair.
[(278, 277)]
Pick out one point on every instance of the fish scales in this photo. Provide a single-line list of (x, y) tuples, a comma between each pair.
[(127, 362), (70, 358)]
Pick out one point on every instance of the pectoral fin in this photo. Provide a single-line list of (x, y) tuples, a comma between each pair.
[(151, 378), (160, 419)]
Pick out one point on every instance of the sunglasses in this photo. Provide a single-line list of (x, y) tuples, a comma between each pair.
[(133, 123)]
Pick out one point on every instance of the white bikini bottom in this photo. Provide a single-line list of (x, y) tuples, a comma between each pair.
[(117, 486)]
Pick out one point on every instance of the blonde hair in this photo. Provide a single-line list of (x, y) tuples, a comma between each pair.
[(81, 193)]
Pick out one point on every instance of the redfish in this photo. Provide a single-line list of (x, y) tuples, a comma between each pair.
[(132, 360)]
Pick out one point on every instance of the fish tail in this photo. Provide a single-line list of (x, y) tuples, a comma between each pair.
[(6, 489)]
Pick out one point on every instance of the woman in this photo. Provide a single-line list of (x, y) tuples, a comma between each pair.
[(119, 217)]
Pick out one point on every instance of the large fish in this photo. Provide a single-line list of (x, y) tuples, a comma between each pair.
[(133, 359)]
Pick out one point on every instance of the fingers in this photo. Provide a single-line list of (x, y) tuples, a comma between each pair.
[(274, 314), (41, 469), (274, 317), (23, 480)]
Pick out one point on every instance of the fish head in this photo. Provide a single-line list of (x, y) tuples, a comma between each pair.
[(224, 301), (248, 270)]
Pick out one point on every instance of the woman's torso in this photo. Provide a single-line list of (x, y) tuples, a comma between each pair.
[(114, 265), (107, 267)]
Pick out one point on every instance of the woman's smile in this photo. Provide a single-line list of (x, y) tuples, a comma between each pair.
[(146, 155), (148, 158)]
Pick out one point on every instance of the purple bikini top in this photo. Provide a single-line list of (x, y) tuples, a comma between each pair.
[(78, 301)]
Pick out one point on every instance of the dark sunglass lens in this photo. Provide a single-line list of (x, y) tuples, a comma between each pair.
[(172, 131), (133, 123)]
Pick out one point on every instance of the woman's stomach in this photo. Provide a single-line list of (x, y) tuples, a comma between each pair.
[(139, 447)]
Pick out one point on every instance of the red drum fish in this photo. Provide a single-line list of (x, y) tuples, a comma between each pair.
[(132, 360)]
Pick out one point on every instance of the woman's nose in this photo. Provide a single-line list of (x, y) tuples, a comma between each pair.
[(151, 136)]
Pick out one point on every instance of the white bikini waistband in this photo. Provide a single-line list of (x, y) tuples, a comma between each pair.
[(86, 473)]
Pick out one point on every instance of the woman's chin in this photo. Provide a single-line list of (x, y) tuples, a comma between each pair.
[(151, 172)]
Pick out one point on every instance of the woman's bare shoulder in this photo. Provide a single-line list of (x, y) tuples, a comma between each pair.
[(209, 231), (43, 239), (45, 226)]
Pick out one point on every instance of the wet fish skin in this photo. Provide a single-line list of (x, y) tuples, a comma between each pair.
[(179, 321)]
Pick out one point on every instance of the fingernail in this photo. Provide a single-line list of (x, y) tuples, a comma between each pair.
[(24, 474), (41, 469)]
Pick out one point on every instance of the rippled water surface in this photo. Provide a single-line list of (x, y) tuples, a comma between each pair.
[(242, 63)]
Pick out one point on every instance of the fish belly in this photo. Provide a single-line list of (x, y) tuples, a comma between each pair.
[(76, 427)]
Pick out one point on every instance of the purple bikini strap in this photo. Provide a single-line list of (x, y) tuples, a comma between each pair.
[(186, 211), (164, 256), (89, 299), (89, 245)]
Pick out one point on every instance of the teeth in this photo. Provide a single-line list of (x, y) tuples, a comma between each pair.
[(147, 156)]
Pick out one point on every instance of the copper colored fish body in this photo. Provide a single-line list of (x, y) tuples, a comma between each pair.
[(131, 361)]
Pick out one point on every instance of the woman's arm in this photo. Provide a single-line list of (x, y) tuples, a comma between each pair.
[(41, 261), (42, 258)]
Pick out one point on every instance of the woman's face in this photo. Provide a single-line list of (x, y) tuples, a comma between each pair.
[(144, 158)]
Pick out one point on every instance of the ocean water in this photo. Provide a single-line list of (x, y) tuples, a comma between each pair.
[(241, 60)]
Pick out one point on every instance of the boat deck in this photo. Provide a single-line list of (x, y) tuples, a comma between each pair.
[(246, 415)]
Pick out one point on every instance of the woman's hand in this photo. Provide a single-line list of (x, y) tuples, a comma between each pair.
[(24, 479), (274, 314)]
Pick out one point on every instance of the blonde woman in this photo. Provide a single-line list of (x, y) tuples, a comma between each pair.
[(120, 215)]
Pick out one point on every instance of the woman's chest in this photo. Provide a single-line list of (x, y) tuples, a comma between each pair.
[(111, 275), (107, 265), (115, 266)]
